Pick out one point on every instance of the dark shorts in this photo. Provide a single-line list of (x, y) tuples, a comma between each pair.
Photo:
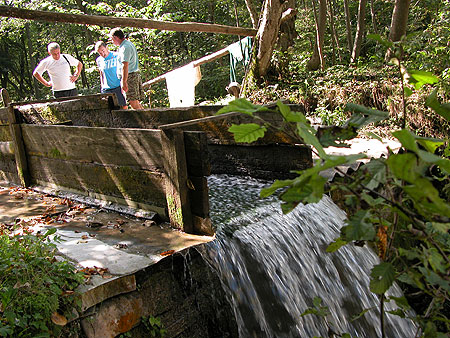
[(135, 89), (119, 94), (65, 93)]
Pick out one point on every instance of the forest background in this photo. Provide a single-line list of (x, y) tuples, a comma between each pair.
[(352, 67)]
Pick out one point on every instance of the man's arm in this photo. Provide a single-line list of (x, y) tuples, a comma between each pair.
[(125, 77), (41, 79), (75, 76)]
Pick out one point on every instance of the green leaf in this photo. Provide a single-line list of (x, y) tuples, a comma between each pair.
[(383, 276), (441, 109), (404, 166), (359, 227), (247, 132), (434, 279), (336, 245), (266, 192), (408, 92), (363, 116), (377, 170), (49, 232), (430, 144), (241, 106), (419, 78), (407, 139), (436, 260), (307, 133), (377, 37), (443, 228), (289, 115), (401, 302)]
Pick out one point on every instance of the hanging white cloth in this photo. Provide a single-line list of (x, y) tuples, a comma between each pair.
[(181, 84)]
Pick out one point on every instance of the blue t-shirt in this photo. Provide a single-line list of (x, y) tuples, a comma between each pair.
[(127, 53), (108, 66)]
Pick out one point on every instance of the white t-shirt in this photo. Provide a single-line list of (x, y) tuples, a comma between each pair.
[(58, 70)]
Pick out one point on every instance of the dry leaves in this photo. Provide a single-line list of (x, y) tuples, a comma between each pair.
[(58, 319), (167, 253)]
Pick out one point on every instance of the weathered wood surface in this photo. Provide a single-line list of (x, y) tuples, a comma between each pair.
[(176, 186), (107, 146), (4, 115), (122, 182), (5, 134), (95, 99), (108, 21)]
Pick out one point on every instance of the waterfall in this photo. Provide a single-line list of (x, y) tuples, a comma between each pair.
[(273, 265)]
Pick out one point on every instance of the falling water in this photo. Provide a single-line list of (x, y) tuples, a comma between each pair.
[(273, 265)]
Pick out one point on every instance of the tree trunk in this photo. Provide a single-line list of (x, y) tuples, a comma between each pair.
[(288, 34), (268, 34), (359, 31), (334, 37), (374, 19), (32, 61), (316, 59), (83, 73), (398, 23), (348, 27), (253, 13)]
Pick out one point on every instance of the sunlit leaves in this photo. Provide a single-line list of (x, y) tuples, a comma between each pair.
[(419, 78), (383, 276), (441, 109), (247, 132), (242, 106)]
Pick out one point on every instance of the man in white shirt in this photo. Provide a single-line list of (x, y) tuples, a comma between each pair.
[(58, 66)]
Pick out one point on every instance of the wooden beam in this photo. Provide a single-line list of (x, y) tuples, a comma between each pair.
[(177, 191), (108, 21), (192, 122), (201, 61), (62, 99), (19, 148)]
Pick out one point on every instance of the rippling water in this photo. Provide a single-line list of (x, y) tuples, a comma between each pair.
[(273, 265)]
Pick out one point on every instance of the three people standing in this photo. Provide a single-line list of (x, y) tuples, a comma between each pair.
[(58, 66)]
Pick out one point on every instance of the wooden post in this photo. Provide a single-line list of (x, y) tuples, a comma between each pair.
[(19, 148), (175, 167)]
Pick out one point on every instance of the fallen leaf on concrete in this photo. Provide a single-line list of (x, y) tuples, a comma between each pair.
[(94, 224), (167, 253), (120, 221), (121, 246), (81, 242), (84, 237), (149, 223), (58, 319)]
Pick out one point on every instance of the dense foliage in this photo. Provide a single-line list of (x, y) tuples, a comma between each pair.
[(36, 289), (398, 205)]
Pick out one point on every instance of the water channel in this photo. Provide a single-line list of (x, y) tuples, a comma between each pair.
[(273, 265)]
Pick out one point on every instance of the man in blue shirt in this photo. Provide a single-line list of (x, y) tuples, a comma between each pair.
[(128, 68), (107, 66)]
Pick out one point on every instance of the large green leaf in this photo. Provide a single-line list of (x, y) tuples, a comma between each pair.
[(289, 115), (383, 276), (377, 170), (363, 116), (359, 227), (434, 279), (247, 132), (266, 192), (407, 139), (404, 166), (307, 133), (441, 109), (241, 106), (418, 78)]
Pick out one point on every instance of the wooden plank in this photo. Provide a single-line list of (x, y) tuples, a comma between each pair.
[(198, 196), (188, 123), (17, 139), (4, 115), (107, 146), (5, 134), (176, 187), (108, 21), (197, 156), (93, 97), (122, 182)]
